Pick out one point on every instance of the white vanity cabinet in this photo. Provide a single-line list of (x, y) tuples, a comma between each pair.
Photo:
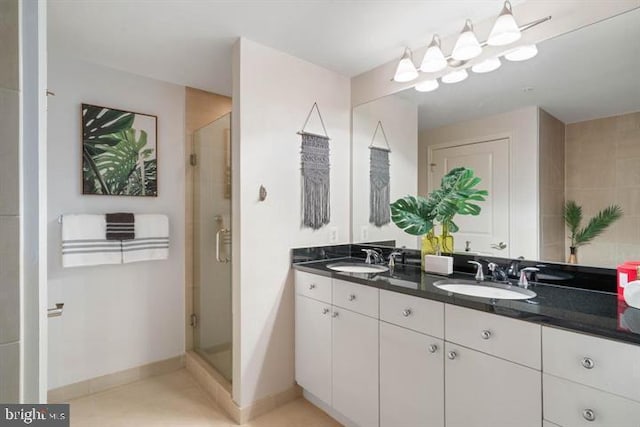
[(492, 370), (411, 362), (590, 381)]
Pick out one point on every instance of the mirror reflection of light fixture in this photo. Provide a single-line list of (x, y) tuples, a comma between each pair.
[(434, 59), (406, 70), (455, 76), (522, 53), (505, 30), (487, 66), (427, 86), (467, 46)]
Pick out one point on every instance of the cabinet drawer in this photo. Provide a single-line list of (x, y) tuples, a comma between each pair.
[(359, 298), (573, 405), (313, 286), (412, 312), (604, 364), (503, 337)]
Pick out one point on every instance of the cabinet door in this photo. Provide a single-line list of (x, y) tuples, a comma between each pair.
[(482, 390), (313, 347), (355, 367), (411, 378)]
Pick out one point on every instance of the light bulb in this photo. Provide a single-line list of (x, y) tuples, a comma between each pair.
[(406, 70), (467, 45), (427, 86), (455, 76), (487, 65), (434, 59), (505, 30), (522, 53)]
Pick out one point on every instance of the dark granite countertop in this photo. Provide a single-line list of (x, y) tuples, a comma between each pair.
[(592, 312)]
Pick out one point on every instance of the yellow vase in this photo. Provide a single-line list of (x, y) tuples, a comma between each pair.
[(430, 245), (446, 240)]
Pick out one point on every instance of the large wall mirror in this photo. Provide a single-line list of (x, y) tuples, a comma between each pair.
[(562, 126)]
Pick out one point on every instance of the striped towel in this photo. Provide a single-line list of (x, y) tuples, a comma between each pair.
[(84, 242), (151, 242), (120, 226)]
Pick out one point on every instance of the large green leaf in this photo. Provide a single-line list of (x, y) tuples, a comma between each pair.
[(417, 215), (595, 227), (101, 126)]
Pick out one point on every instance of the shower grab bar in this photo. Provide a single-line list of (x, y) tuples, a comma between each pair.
[(218, 258)]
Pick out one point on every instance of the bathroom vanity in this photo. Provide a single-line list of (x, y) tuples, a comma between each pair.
[(391, 350)]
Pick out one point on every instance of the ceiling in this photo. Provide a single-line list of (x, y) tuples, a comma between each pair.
[(588, 73), (189, 42)]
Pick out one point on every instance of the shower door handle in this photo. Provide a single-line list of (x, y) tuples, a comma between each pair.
[(218, 258)]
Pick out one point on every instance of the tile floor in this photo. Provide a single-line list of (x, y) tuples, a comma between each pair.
[(176, 400)]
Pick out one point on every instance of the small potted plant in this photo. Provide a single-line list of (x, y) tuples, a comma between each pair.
[(418, 216), (581, 236)]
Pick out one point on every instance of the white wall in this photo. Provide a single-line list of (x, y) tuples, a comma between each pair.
[(119, 316), (399, 118), (273, 93), (521, 127)]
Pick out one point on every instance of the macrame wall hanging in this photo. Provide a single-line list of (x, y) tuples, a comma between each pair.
[(315, 175), (379, 211)]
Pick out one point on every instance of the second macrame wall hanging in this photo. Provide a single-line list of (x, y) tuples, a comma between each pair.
[(379, 180), (315, 168)]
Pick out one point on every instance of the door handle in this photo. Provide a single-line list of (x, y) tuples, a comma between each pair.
[(57, 311), (218, 258)]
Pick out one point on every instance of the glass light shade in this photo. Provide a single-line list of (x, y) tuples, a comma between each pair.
[(505, 30), (434, 59), (427, 86), (487, 65), (467, 46), (406, 70), (455, 76), (522, 53)]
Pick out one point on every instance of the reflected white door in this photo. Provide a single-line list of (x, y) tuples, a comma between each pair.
[(490, 161)]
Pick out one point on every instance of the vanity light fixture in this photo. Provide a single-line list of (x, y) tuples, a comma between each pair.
[(467, 46), (487, 66), (455, 76), (522, 53), (434, 59), (406, 70), (505, 30), (427, 86)]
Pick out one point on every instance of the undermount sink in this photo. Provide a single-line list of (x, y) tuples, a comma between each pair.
[(353, 267), (484, 289)]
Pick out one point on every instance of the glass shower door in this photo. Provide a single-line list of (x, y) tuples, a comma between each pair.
[(212, 244)]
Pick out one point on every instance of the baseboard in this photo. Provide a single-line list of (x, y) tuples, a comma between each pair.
[(105, 382), (220, 391)]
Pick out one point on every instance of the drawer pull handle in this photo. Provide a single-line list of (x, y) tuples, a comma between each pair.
[(485, 334), (312, 286), (334, 314), (589, 415), (406, 312), (325, 310), (452, 355), (352, 297), (433, 348), (588, 363)]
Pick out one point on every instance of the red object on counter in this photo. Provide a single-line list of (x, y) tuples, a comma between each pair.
[(627, 272)]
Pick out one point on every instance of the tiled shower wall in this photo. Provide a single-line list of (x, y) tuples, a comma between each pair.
[(9, 202), (603, 168)]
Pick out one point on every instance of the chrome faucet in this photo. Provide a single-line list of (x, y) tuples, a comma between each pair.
[(479, 272), (498, 274), (524, 282), (392, 258), (373, 256)]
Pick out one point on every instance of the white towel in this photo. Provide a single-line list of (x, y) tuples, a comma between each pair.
[(151, 242), (84, 242)]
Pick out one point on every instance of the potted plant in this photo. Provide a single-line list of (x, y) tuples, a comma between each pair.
[(419, 215), (596, 226)]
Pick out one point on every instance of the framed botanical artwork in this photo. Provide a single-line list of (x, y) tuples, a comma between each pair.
[(119, 152)]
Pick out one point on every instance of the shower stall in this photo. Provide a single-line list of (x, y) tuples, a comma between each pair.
[(212, 244)]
